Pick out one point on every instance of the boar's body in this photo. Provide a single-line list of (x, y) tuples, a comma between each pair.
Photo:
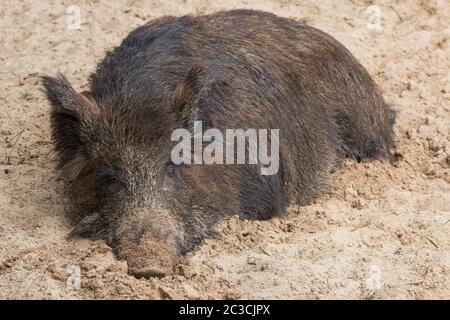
[(236, 69)]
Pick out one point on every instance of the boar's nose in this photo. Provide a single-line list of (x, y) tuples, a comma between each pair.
[(149, 258), (147, 241)]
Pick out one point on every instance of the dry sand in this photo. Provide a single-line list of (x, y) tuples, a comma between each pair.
[(380, 231)]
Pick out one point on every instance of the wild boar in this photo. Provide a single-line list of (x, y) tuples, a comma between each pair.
[(228, 70)]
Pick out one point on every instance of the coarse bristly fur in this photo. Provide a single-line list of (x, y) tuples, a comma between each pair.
[(233, 69)]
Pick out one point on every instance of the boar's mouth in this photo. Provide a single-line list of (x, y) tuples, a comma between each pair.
[(147, 273)]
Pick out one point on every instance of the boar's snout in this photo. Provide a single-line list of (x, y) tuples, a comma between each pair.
[(150, 258), (147, 242)]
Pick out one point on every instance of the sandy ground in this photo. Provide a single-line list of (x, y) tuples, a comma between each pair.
[(380, 232)]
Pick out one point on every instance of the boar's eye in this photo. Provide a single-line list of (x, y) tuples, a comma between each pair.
[(108, 179), (171, 170), (174, 173)]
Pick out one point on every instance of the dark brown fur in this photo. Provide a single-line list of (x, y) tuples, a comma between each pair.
[(234, 69)]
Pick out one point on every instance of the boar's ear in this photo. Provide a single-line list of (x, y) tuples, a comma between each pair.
[(71, 111), (186, 96), (197, 96)]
